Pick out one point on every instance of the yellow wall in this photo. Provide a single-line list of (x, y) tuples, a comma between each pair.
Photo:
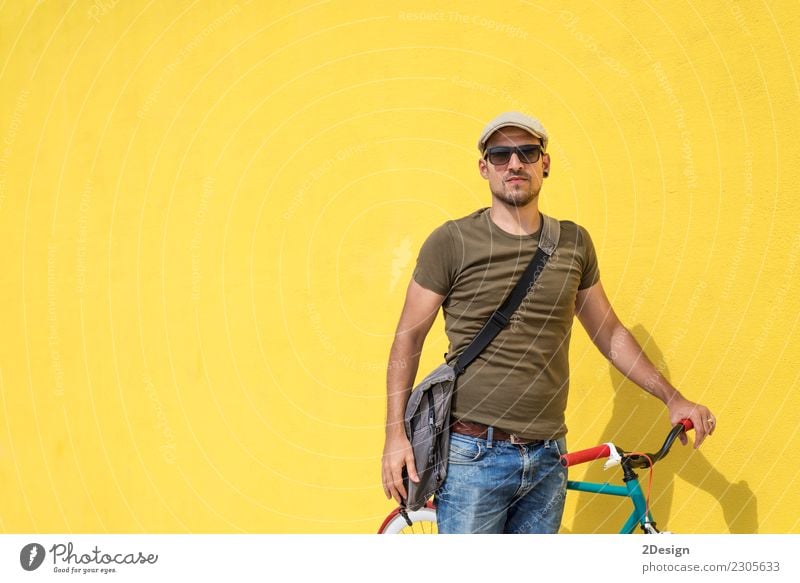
[(209, 213)]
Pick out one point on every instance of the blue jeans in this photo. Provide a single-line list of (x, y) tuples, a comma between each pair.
[(500, 487)]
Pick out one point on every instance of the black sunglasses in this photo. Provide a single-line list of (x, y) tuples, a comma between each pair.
[(499, 155)]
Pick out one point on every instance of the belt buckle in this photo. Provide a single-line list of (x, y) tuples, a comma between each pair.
[(517, 441)]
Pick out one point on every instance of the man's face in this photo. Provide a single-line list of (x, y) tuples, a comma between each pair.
[(514, 183)]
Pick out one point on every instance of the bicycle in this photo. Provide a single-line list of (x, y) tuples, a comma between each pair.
[(423, 521)]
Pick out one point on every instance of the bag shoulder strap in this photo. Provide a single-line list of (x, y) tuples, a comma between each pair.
[(548, 241)]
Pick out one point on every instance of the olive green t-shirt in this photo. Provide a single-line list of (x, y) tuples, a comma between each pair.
[(520, 382)]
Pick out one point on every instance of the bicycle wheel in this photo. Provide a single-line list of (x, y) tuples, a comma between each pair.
[(423, 521)]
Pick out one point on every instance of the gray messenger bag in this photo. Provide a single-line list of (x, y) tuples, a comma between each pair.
[(427, 415)]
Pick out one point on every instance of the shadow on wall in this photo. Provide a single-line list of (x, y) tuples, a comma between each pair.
[(641, 421)]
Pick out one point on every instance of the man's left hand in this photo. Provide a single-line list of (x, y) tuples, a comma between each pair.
[(701, 417)]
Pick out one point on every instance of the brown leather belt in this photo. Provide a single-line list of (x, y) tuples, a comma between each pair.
[(481, 431)]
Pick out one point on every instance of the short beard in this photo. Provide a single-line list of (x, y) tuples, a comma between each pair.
[(516, 202)]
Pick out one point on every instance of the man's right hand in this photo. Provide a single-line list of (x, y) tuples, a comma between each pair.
[(397, 453)]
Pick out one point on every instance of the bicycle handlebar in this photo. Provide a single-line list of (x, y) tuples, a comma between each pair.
[(634, 460)]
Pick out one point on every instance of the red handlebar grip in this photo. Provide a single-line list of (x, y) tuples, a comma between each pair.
[(687, 424), (585, 455)]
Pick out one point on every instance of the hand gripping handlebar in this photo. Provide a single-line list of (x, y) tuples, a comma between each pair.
[(604, 451)]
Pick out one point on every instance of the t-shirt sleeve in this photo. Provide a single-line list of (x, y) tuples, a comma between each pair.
[(591, 272), (436, 266)]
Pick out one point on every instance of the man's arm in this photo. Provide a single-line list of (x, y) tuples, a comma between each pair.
[(419, 313), (617, 344)]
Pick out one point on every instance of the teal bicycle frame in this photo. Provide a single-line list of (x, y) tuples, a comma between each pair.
[(632, 490)]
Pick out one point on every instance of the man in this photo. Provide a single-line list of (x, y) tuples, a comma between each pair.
[(508, 426)]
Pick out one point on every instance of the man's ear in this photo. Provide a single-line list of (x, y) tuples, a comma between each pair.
[(483, 168), (545, 165)]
